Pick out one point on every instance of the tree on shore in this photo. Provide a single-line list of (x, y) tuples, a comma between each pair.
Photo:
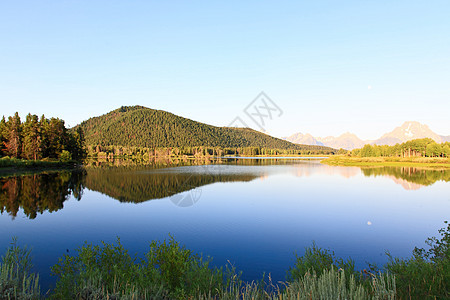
[(40, 138), (31, 138), (14, 136), (3, 135), (415, 148)]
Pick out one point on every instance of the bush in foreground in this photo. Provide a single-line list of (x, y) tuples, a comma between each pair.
[(427, 274), (167, 271)]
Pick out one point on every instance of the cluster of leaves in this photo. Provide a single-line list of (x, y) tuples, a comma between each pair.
[(41, 138), (142, 127), (418, 147)]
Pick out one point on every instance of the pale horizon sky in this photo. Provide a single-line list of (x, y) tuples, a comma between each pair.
[(331, 67)]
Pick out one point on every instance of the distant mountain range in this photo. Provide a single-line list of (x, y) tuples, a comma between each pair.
[(138, 126), (408, 131)]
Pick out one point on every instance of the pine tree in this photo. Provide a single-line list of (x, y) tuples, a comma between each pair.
[(3, 136), (76, 144), (44, 128), (80, 150), (31, 147), (57, 137), (14, 136)]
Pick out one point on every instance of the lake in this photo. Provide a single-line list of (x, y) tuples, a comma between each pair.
[(252, 213)]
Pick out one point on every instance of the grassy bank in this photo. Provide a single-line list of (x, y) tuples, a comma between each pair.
[(14, 166), (428, 162), (170, 271)]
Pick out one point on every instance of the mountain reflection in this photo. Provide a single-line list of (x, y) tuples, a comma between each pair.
[(143, 186), (138, 181), (131, 181), (39, 192)]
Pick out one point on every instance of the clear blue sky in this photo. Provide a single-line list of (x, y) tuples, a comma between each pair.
[(331, 66)]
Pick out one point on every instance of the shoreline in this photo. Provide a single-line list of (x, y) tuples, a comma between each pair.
[(17, 167), (424, 162)]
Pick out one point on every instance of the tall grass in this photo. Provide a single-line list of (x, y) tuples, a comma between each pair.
[(16, 279)]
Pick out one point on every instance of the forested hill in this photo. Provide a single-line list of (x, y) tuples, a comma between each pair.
[(144, 127)]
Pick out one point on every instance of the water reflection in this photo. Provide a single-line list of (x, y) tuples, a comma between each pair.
[(137, 181), (39, 192), (179, 179), (410, 178), (139, 186)]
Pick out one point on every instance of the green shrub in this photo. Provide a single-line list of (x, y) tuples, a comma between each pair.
[(318, 260), (427, 274), (65, 156), (167, 270), (98, 271), (182, 272)]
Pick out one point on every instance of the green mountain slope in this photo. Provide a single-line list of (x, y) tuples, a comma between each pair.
[(144, 127)]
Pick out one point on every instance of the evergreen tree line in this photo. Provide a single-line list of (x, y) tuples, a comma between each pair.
[(145, 152), (37, 139), (414, 148)]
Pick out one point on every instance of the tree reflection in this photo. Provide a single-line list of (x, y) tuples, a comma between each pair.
[(38, 193), (420, 176)]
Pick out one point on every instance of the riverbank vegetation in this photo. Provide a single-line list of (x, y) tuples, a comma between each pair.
[(421, 162), (415, 148), (414, 153), (14, 167), (170, 271)]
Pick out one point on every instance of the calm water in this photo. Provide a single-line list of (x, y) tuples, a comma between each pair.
[(254, 213)]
